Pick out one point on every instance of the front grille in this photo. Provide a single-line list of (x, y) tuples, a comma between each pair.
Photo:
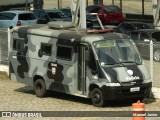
[(136, 82), (126, 91)]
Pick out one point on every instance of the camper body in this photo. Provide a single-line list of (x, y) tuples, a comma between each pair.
[(100, 66)]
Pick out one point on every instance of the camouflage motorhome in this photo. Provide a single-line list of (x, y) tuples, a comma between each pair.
[(101, 66)]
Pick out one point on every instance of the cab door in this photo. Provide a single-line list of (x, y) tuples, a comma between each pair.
[(81, 58)]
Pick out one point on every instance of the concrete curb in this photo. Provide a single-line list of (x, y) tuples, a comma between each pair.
[(154, 94)]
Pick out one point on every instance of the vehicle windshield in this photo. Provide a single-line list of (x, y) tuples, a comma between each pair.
[(7, 16), (53, 15), (117, 51), (112, 9)]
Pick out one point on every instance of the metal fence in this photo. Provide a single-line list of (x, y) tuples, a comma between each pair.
[(4, 46)]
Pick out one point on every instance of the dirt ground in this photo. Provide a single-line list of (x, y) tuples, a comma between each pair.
[(19, 97), (4, 76)]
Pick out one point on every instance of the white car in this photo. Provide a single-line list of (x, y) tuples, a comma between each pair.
[(16, 18)]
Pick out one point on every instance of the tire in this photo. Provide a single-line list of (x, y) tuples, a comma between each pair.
[(156, 55), (97, 98), (40, 88)]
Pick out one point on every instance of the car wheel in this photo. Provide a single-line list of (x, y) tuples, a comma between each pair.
[(40, 88), (156, 56), (97, 98)]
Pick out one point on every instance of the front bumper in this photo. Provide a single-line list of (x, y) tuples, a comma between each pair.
[(123, 92)]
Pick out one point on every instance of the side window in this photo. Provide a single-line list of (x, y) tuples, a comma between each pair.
[(18, 44), (92, 62), (36, 12), (89, 8), (43, 15), (143, 36), (129, 27), (95, 10), (46, 49), (64, 52), (26, 16)]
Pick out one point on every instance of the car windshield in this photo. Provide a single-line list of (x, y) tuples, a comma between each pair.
[(117, 51), (66, 11), (7, 16), (112, 9), (156, 36), (141, 26)]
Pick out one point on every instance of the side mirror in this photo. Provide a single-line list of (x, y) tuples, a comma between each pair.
[(146, 40)]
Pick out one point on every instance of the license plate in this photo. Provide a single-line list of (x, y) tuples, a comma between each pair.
[(134, 89)]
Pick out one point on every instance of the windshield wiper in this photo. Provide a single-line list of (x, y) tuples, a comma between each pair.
[(112, 64), (129, 62)]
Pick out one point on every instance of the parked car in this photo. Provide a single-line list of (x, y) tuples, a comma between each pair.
[(90, 19), (126, 27), (16, 18), (45, 16), (109, 15), (67, 11), (142, 39)]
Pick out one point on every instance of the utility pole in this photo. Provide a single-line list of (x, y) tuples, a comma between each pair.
[(156, 13), (59, 4), (83, 14), (74, 11), (26, 5), (75, 6)]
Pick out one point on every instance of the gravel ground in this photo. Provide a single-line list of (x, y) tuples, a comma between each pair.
[(156, 70), (18, 97)]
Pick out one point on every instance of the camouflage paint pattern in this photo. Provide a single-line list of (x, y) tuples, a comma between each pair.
[(28, 64)]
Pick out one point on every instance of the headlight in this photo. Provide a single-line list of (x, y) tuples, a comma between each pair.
[(147, 81), (112, 84)]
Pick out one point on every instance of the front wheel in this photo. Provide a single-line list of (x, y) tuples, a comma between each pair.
[(156, 56), (97, 98), (40, 88)]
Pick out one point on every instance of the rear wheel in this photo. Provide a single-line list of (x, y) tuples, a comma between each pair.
[(97, 98), (156, 56), (40, 88)]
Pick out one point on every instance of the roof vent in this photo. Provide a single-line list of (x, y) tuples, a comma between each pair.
[(100, 31), (60, 25)]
